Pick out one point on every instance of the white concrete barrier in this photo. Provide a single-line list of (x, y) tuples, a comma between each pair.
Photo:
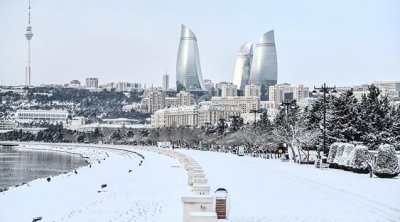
[(196, 204), (199, 181), (201, 189), (203, 217)]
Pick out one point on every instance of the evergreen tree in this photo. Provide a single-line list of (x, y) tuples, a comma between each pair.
[(395, 131), (342, 119), (236, 124), (264, 124), (374, 119)]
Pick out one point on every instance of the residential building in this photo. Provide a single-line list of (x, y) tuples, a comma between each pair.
[(243, 104), (252, 90), (50, 116), (92, 83)]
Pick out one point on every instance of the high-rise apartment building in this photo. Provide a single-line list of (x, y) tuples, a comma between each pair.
[(209, 85), (284, 92), (165, 82), (185, 98), (300, 92), (127, 87), (92, 82), (252, 90), (280, 92), (188, 70), (226, 89)]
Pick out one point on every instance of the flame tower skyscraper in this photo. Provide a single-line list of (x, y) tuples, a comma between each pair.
[(188, 70), (28, 36), (264, 68), (243, 66)]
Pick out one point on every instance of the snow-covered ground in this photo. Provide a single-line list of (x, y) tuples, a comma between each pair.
[(150, 192), (260, 190), (270, 190)]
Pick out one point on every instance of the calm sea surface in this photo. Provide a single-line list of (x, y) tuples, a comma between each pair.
[(19, 166)]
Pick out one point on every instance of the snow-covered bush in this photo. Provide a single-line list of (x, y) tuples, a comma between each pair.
[(345, 156), (387, 163), (332, 152), (341, 158), (338, 156), (358, 159)]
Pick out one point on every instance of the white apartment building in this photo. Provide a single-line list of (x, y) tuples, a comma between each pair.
[(193, 116), (127, 87), (284, 91), (92, 82), (171, 102), (209, 86), (278, 92), (252, 90), (389, 88), (185, 98), (300, 92), (154, 100), (244, 104), (228, 89), (7, 125), (51, 116)]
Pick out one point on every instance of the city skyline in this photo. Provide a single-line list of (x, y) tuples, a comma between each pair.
[(341, 43)]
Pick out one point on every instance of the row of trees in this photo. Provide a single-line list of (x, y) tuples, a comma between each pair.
[(369, 122)]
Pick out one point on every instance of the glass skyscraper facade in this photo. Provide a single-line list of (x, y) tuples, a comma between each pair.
[(188, 70), (243, 66), (264, 69)]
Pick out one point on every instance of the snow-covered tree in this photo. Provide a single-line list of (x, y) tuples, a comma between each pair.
[(342, 119), (374, 119), (395, 132), (387, 163)]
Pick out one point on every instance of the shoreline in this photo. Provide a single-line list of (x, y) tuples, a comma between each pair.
[(130, 183)]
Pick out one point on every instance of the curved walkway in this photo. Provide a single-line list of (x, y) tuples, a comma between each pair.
[(135, 191)]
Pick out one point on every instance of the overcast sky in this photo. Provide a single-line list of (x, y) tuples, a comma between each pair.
[(339, 42)]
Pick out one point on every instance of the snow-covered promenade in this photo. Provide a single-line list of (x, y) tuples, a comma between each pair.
[(150, 192), (260, 189), (271, 190)]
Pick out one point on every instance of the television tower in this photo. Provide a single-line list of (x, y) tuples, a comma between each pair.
[(28, 36)]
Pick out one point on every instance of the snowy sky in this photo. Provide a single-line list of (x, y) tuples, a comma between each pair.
[(337, 41)]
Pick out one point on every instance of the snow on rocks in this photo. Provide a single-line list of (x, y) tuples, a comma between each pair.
[(387, 163)]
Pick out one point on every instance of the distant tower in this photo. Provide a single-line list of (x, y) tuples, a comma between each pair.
[(28, 36), (165, 81)]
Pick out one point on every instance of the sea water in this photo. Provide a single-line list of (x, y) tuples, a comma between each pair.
[(18, 166)]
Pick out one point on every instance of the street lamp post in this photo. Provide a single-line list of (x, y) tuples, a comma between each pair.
[(286, 104), (255, 111), (324, 89)]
